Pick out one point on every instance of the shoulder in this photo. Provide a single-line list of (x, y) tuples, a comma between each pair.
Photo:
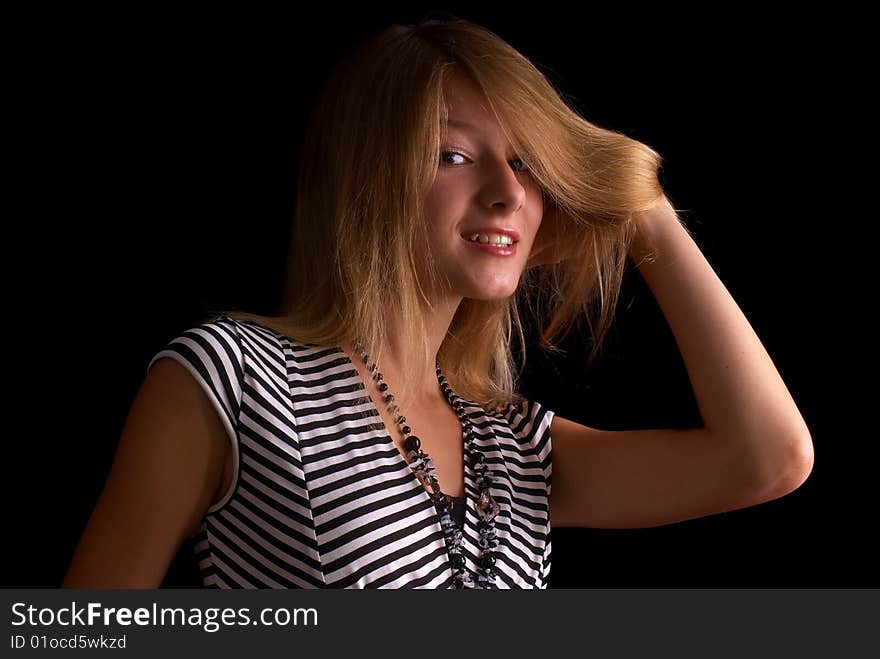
[(213, 343), (237, 334), (528, 422), (525, 414), (267, 334)]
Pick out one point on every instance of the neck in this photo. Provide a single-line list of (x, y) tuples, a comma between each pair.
[(426, 389)]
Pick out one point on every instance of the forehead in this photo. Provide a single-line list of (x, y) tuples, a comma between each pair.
[(467, 105)]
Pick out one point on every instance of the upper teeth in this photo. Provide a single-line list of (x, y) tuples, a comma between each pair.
[(491, 238)]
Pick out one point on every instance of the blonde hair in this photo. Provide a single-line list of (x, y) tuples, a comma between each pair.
[(369, 157)]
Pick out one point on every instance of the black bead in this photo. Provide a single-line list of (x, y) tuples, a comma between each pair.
[(389, 398), (406, 429), (383, 387), (457, 560), (412, 443), (487, 561)]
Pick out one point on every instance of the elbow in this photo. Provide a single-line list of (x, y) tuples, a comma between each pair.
[(787, 473)]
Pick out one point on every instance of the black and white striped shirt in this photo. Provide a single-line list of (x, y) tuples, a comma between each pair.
[(320, 495)]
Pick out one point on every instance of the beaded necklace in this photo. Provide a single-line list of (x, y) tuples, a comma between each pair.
[(423, 467)]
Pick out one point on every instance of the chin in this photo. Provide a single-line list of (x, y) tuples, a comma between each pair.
[(498, 294)]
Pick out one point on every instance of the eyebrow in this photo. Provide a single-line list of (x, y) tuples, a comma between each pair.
[(457, 123)]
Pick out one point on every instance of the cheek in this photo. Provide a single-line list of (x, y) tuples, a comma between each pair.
[(536, 216), (445, 208), (436, 207)]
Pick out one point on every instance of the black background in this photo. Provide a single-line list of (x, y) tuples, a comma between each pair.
[(159, 162)]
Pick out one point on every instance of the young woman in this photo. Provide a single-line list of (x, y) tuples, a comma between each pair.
[(371, 436)]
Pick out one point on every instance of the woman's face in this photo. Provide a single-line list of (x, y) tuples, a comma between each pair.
[(480, 186)]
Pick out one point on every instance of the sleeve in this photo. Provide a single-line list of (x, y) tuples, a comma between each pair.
[(545, 563), (530, 422), (212, 353)]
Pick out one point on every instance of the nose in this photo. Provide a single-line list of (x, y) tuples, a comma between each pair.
[(502, 188)]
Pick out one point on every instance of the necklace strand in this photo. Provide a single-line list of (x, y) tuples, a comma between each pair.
[(423, 467)]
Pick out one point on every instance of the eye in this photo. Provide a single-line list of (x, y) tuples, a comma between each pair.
[(521, 167), (517, 163), (444, 154)]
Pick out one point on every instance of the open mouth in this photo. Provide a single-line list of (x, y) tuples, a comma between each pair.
[(491, 240), (498, 248)]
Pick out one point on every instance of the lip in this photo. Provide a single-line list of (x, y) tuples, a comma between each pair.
[(503, 231)]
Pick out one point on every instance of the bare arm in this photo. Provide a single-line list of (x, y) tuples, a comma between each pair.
[(166, 473), (754, 446)]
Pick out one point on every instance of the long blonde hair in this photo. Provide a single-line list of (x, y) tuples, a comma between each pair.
[(369, 157)]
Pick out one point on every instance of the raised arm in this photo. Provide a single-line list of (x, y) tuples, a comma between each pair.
[(754, 445), (167, 471)]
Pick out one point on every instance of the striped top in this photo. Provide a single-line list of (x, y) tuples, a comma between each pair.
[(320, 495)]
